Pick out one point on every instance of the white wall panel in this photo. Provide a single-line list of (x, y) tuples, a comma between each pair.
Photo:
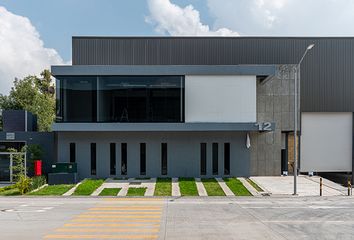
[(220, 98), (326, 142)]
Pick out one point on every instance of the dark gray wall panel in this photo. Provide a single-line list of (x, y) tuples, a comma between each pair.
[(327, 72)]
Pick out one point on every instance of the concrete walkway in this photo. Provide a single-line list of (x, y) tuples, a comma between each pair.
[(72, 190), (307, 186), (200, 187), (176, 192), (125, 184), (224, 187)]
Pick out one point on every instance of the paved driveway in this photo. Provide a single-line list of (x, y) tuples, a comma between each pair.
[(177, 218), (307, 186)]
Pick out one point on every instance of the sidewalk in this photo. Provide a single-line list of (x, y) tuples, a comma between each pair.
[(306, 186)]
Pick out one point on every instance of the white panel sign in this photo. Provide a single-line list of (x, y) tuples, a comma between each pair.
[(326, 142), (211, 98), (10, 136)]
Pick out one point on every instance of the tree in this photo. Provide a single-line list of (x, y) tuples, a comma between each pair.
[(34, 94)]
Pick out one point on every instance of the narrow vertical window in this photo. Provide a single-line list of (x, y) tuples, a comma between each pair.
[(124, 155), (163, 158), (215, 159), (142, 158), (93, 158), (72, 153), (203, 152), (227, 158), (113, 159)]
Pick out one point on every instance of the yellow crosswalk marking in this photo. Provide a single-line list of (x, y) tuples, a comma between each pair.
[(133, 199), (115, 220), (116, 230), (125, 208), (126, 213), (55, 236), (111, 225), (119, 216)]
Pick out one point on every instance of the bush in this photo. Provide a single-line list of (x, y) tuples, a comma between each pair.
[(37, 182), (23, 184)]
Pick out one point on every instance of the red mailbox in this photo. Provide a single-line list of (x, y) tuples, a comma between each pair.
[(37, 167)]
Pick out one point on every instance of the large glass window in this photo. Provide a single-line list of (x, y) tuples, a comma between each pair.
[(76, 99), (120, 99), (140, 99)]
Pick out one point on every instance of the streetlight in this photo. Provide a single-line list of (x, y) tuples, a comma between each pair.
[(297, 72)]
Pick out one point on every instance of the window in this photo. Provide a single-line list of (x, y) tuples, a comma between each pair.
[(142, 158), (215, 159), (120, 99), (76, 99), (163, 158), (227, 158), (113, 159), (93, 159), (124, 155), (72, 153), (140, 99), (203, 157)]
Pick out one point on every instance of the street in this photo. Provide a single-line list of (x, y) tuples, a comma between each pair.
[(177, 218)]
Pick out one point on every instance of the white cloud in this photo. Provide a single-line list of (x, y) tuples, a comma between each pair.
[(168, 18), (22, 52), (285, 17)]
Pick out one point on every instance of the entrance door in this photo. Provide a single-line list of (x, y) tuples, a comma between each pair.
[(5, 167)]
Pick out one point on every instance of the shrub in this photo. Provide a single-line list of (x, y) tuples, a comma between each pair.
[(23, 184), (37, 182)]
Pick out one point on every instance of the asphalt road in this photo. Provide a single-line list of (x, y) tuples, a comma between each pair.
[(177, 218)]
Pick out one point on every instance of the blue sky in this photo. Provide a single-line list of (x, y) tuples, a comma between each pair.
[(57, 21), (35, 34)]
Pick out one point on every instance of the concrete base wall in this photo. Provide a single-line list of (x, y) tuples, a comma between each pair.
[(183, 152)]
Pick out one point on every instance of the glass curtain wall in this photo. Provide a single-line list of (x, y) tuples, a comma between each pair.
[(76, 99), (120, 99), (140, 99)]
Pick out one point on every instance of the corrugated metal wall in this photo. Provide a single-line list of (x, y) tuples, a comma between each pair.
[(327, 73)]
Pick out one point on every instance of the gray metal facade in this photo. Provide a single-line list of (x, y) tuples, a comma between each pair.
[(183, 152), (326, 74), (44, 139)]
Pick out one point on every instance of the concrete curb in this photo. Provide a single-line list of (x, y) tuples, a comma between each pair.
[(72, 190), (224, 187), (201, 189)]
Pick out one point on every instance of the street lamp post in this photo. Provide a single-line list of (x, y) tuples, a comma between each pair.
[(297, 75)]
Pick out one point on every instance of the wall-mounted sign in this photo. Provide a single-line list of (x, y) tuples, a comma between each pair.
[(10, 136), (266, 126)]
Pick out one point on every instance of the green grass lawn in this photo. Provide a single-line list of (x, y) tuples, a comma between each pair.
[(109, 192), (163, 187), (237, 187), (212, 187), (53, 190), (254, 185), (188, 187), (88, 186), (10, 192), (136, 191)]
